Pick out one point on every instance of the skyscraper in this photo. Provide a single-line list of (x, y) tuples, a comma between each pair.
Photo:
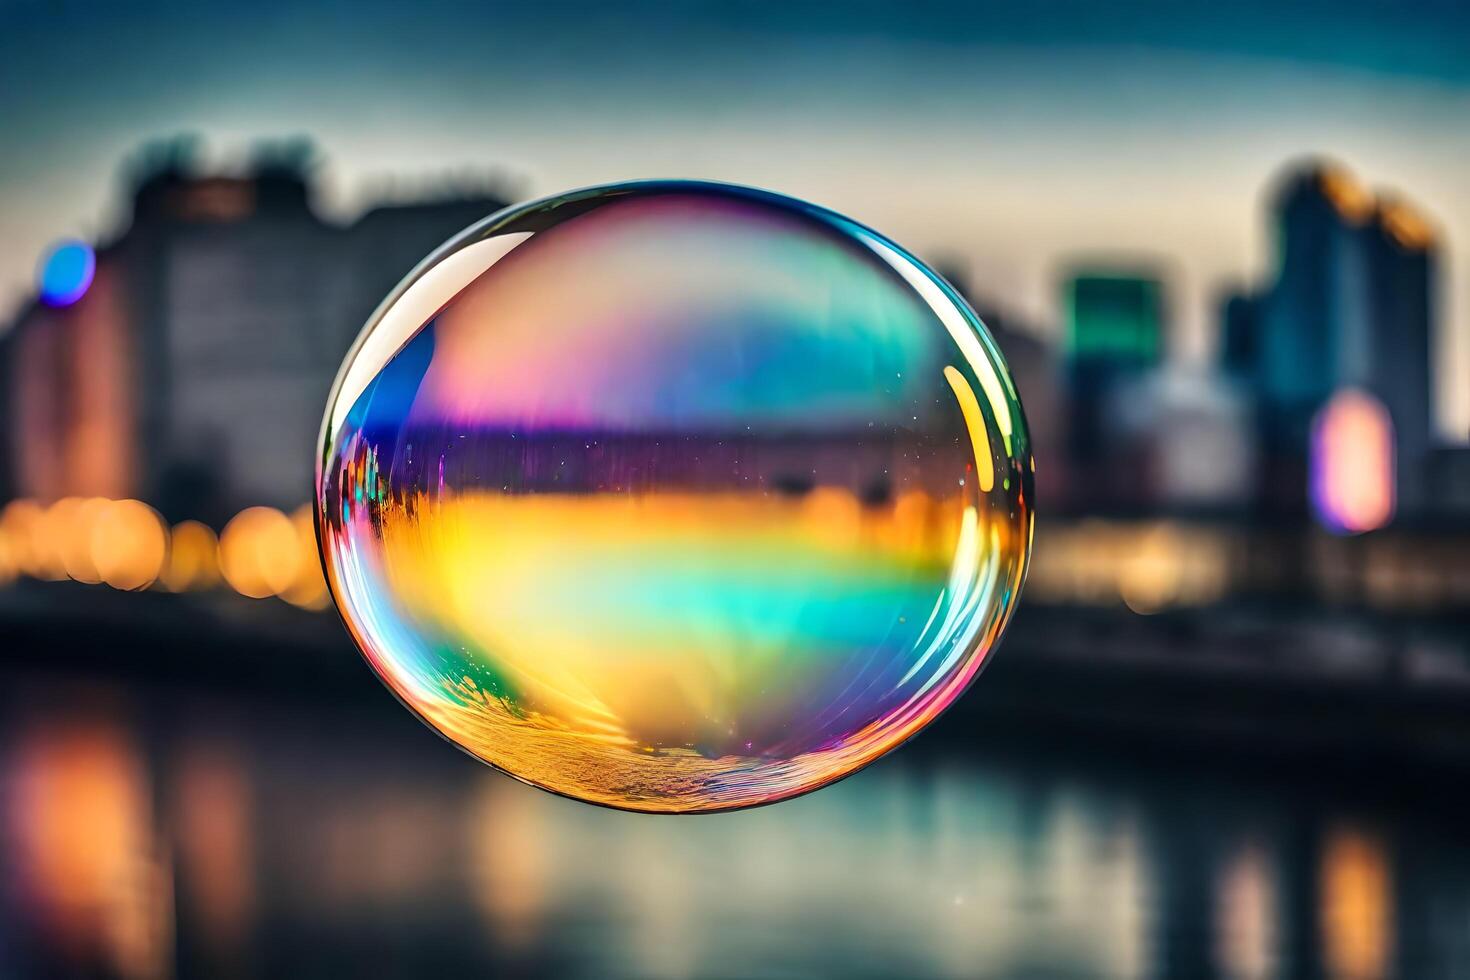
[(1114, 338), (1350, 309), (193, 371), (1240, 340), (1395, 359)]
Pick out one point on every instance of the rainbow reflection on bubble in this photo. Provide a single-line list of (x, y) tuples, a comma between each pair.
[(675, 496)]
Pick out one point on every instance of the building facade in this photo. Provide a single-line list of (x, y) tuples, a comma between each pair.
[(1350, 308), (193, 371)]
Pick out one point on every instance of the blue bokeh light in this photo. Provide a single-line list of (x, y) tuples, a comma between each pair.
[(66, 273)]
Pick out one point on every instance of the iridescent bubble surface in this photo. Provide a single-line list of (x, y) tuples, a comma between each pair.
[(675, 496)]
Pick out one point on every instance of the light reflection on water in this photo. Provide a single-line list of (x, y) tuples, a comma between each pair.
[(155, 835)]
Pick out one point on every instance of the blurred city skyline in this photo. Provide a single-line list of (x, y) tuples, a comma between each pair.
[(1223, 249), (1012, 144), (183, 361)]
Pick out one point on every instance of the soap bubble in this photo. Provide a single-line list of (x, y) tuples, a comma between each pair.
[(675, 496)]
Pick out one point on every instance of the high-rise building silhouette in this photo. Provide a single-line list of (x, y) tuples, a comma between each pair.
[(1395, 357), (194, 370), (1114, 339), (1351, 307), (1240, 336)]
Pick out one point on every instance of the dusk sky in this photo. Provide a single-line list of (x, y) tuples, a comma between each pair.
[(1011, 141)]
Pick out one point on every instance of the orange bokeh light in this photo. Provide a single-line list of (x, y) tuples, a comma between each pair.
[(128, 544)]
